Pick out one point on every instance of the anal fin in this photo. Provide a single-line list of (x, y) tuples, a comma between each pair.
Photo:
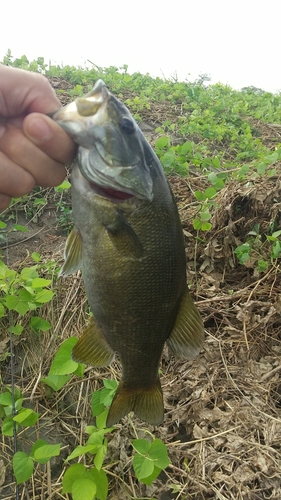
[(187, 336), (92, 348)]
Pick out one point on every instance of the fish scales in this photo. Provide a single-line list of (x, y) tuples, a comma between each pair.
[(129, 243)]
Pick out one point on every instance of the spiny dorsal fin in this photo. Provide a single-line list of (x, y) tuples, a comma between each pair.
[(92, 348), (72, 253), (187, 336)]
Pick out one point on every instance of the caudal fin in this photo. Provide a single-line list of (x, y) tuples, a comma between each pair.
[(147, 403)]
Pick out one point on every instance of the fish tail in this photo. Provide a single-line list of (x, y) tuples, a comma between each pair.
[(147, 403)]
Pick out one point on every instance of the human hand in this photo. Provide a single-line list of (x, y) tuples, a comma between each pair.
[(34, 149)]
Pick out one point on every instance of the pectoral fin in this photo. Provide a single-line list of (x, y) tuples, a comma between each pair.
[(72, 253), (124, 237), (187, 336), (92, 348)]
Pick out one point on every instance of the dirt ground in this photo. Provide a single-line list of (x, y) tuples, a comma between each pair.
[(222, 421)]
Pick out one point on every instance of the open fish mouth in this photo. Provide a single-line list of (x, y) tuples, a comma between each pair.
[(110, 193)]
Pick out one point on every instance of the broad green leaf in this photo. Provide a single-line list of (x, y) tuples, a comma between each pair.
[(199, 196), (158, 452), (210, 192), (162, 142), (97, 406), (64, 185), (149, 479), (142, 446), (8, 426), (83, 489), (81, 450), (75, 471), (197, 224), (187, 147), (18, 227), (26, 417), (2, 224), (168, 159), (62, 363), (40, 282), (206, 226), (6, 398), (261, 168), (2, 310), (17, 329), (216, 162), (38, 323), (44, 296), (28, 273), (22, 466), (143, 466), (45, 452), (205, 215), (100, 479), (100, 455), (36, 256), (56, 382)]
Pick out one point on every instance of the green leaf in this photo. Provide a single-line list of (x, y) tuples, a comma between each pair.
[(56, 382), (62, 363), (149, 479), (197, 224), (261, 168), (2, 310), (100, 479), (210, 192), (75, 471), (142, 446), (18, 227), (143, 467), (26, 417), (17, 329), (158, 452), (216, 162), (272, 158), (187, 147), (168, 159), (8, 426), (100, 455), (22, 466), (81, 450), (162, 142), (44, 296), (206, 226), (64, 185), (43, 452), (38, 323), (40, 282), (2, 224), (6, 398), (199, 196), (36, 256), (83, 489)]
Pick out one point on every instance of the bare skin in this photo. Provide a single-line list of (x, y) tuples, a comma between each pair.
[(33, 148)]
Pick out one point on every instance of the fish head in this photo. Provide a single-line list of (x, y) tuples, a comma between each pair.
[(111, 155)]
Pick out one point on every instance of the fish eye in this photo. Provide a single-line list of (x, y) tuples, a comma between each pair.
[(127, 125)]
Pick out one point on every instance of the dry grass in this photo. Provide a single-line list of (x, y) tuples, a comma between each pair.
[(223, 411)]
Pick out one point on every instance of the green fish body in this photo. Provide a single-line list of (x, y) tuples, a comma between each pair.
[(129, 243)]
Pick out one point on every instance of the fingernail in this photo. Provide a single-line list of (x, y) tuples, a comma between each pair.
[(39, 129)]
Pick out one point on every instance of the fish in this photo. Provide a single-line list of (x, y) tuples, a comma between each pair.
[(128, 241)]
